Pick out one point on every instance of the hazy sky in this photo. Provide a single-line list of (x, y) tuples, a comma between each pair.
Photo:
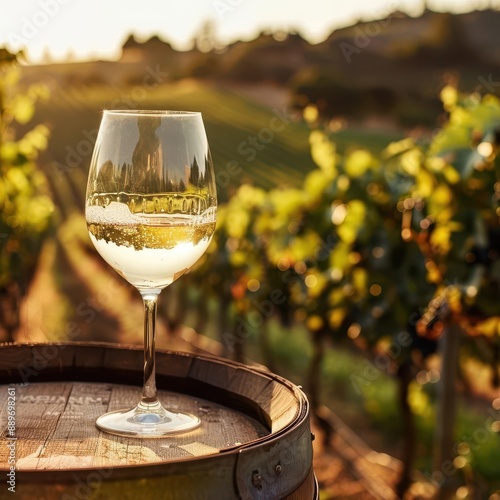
[(90, 28)]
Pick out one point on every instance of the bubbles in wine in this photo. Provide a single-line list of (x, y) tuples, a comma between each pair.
[(114, 213)]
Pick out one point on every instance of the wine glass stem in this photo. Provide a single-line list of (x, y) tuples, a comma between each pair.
[(149, 389)]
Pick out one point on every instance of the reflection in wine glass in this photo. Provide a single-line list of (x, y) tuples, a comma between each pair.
[(150, 208)]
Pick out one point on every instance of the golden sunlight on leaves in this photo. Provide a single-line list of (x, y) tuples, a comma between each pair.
[(439, 200), (435, 163), (237, 223), (425, 184), (315, 184), (336, 317), (314, 322), (339, 258), (302, 247), (358, 163), (360, 280), (336, 297), (24, 109), (34, 141), (286, 203), (310, 113), (316, 283), (419, 400), (398, 147), (251, 196), (411, 161), (343, 182), (489, 327), (449, 97), (353, 221), (238, 258), (451, 174), (323, 152), (339, 212)]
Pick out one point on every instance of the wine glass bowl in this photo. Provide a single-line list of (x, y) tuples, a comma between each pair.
[(150, 208)]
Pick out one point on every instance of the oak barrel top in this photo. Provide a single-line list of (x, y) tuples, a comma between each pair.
[(55, 427), (61, 389)]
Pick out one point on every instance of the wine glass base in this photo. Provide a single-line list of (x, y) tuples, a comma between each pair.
[(147, 421)]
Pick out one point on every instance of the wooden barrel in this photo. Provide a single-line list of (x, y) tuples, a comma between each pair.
[(254, 441)]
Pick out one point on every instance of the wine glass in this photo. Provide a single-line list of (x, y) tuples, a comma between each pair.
[(150, 207)]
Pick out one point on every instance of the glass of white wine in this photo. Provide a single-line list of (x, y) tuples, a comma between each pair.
[(151, 205)]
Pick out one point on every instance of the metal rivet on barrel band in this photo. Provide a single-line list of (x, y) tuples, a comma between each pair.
[(257, 479)]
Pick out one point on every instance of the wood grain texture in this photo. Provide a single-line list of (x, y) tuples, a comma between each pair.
[(55, 427)]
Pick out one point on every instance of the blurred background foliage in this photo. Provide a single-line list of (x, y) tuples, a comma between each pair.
[(25, 202), (357, 243), (373, 247)]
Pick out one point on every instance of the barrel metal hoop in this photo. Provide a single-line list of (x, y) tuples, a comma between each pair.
[(276, 469)]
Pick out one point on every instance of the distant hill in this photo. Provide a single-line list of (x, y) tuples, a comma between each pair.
[(393, 66)]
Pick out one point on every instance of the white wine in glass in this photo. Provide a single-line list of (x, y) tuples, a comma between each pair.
[(150, 208)]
